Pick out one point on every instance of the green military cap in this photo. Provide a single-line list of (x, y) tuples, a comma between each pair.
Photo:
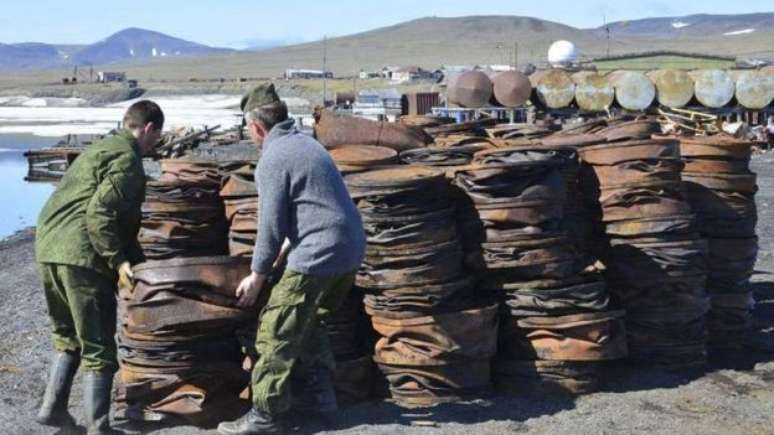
[(262, 95)]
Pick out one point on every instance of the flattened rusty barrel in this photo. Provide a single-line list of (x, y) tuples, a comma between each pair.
[(674, 88), (470, 89), (754, 90), (593, 92), (554, 88), (356, 158), (713, 87), (512, 88), (633, 90)]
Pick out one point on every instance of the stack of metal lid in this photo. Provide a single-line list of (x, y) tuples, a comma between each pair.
[(655, 260), (555, 322), (178, 354), (721, 189), (358, 158), (240, 200), (436, 339), (183, 214)]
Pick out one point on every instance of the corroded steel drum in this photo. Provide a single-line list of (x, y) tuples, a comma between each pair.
[(754, 90), (633, 90), (713, 88), (554, 88), (470, 89), (674, 88), (593, 92), (511, 88)]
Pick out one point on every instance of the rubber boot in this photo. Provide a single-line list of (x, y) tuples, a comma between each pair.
[(53, 411), (97, 386), (255, 422)]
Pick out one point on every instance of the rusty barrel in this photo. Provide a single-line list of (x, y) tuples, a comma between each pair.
[(674, 88), (754, 90), (511, 88), (554, 88), (713, 88), (470, 89), (593, 91), (633, 90)]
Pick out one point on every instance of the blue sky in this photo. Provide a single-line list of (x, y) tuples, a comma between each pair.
[(237, 22)]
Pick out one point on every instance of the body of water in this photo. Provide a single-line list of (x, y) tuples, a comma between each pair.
[(21, 200)]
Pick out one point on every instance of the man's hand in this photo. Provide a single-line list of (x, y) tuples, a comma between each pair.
[(249, 288), (125, 275)]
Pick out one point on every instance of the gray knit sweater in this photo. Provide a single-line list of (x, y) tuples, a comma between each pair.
[(302, 197)]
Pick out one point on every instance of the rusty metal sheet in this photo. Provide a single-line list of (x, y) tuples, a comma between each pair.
[(618, 152), (721, 146), (581, 337), (631, 172), (417, 266), (417, 301), (657, 199), (635, 259), (660, 291), (439, 339), (554, 88), (457, 155), (740, 183), (546, 377), (425, 121), (334, 130), (511, 88), (199, 172), (474, 128), (668, 336), (470, 89), (417, 386), (720, 166), (364, 155), (558, 301), (410, 231)]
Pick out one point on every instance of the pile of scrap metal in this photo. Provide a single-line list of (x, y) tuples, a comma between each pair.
[(654, 257), (50, 164), (179, 357), (183, 212), (436, 337), (721, 189), (240, 199), (179, 142), (556, 323)]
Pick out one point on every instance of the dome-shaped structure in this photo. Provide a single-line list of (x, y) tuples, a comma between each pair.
[(562, 53)]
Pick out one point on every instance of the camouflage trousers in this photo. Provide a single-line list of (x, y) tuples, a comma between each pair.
[(82, 308), (291, 333)]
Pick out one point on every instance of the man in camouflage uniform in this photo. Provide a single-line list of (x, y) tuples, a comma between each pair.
[(302, 200), (86, 242)]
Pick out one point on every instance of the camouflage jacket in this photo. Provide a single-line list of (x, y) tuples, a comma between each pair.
[(92, 218)]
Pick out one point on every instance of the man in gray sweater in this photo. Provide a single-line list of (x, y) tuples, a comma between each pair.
[(304, 204)]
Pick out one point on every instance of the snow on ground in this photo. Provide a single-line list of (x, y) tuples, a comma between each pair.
[(49, 120), (680, 24), (739, 32)]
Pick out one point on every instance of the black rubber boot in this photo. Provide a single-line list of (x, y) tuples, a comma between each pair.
[(96, 401), (254, 422), (53, 411)]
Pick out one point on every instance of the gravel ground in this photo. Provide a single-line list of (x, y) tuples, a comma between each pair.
[(735, 395)]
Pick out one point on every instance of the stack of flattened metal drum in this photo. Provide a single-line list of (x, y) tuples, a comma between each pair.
[(655, 259), (436, 338), (721, 189), (555, 321), (240, 201), (178, 354), (183, 214)]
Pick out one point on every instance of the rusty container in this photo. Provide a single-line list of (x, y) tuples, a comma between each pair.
[(754, 90), (713, 88), (470, 89), (633, 90), (511, 88), (674, 88), (554, 88), (593, 92), (419, 103)]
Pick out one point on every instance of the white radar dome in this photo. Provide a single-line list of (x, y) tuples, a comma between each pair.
[(562, 53)]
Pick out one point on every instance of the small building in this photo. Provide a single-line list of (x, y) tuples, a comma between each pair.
[(306, 74), (388, 71), (367, 75), (650, 60), (108, 77), (374, 103), (410, 73)]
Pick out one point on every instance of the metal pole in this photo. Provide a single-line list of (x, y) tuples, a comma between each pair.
[(325, 61)]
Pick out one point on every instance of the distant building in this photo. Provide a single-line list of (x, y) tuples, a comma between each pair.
[(366, 75), (650, 60), (307, 74), (409, 73), (377, 102), (107, 77), (388, 71)]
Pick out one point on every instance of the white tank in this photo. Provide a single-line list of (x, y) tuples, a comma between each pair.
[(562, 53)]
